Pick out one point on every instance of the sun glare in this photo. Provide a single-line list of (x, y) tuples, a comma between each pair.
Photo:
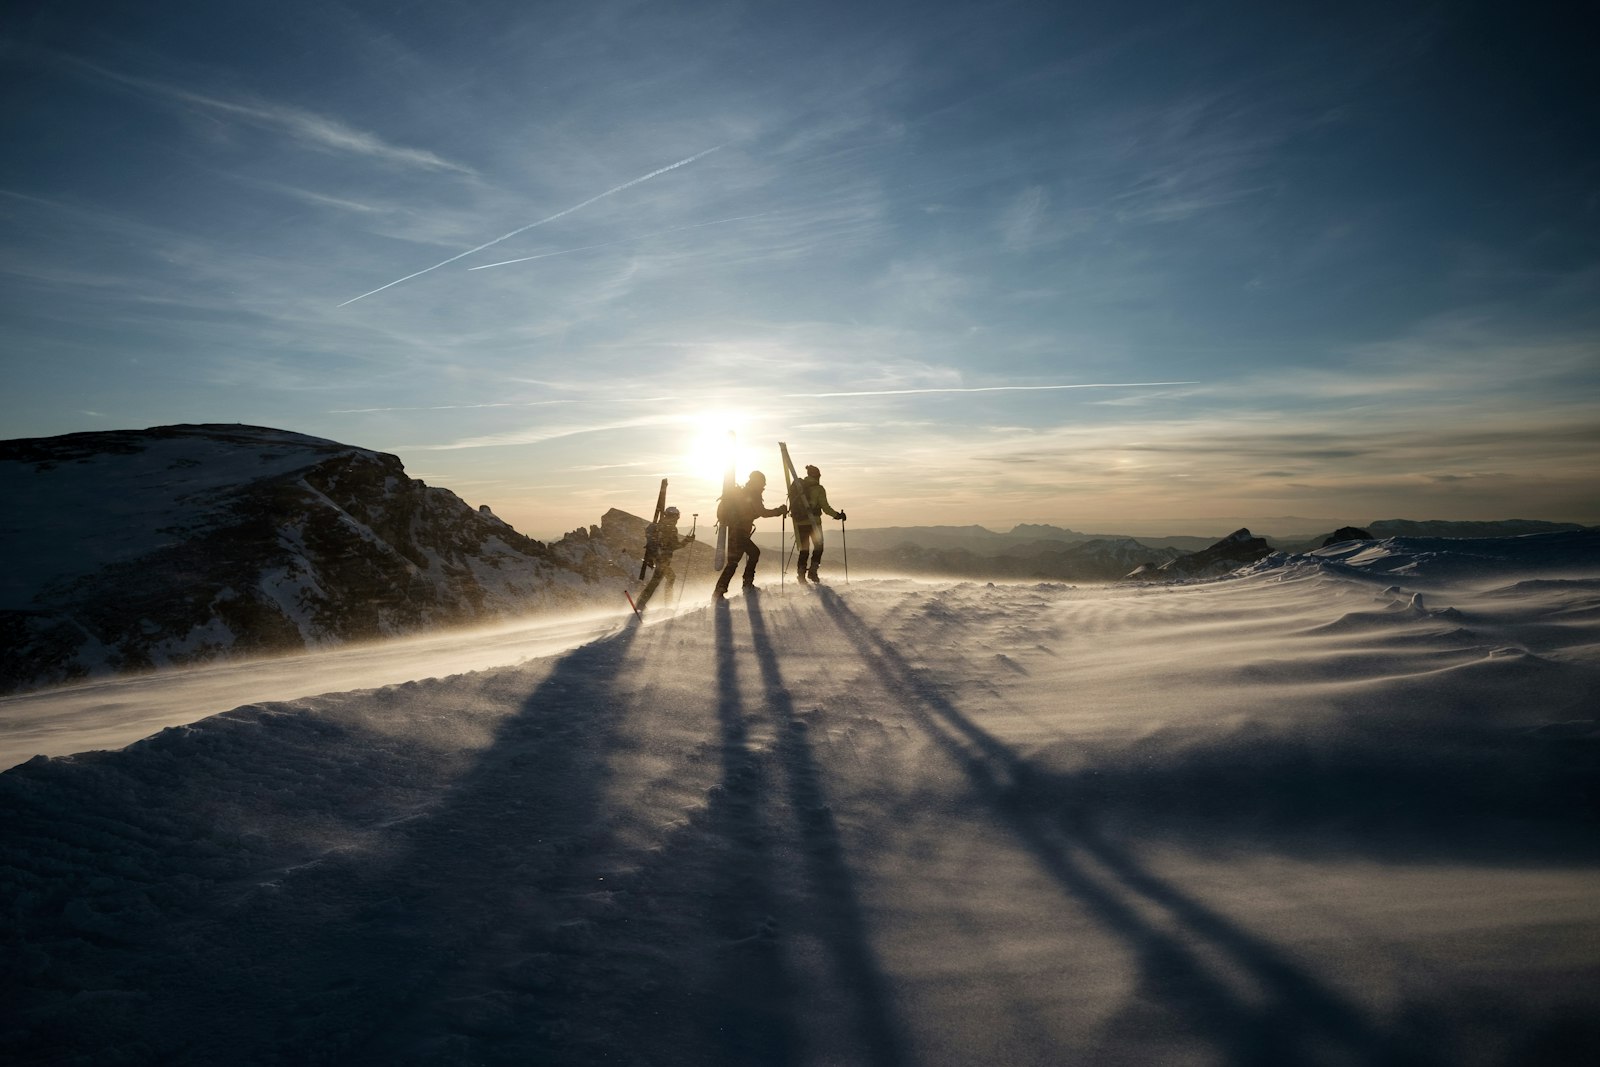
[(707, 455)]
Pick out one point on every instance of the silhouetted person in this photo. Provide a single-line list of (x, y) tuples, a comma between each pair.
[(665, 540), (739, 514), (808, 522)]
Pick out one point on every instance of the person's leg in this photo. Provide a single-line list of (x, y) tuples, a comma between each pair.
[(816, 552), (738, 545), (649, 590), (734, 552), (752, 556), (802, 544)]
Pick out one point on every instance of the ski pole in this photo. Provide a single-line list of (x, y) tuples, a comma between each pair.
[(783, 541), (844, 543), (687, 567)]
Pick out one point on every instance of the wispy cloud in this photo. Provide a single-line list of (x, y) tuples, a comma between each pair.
[(452, 407), (987, 389), (548, 218), (534, 435), (309, 128)]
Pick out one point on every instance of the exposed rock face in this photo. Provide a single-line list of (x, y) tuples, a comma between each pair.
[(1229, 554), (178, 544), (611, 551), (1346, 533)]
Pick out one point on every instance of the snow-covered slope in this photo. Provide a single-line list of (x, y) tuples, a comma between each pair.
[(1429, 560), (1336, 809), (137, 549)]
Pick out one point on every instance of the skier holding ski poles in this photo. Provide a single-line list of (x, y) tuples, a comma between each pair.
[(664, 539), (738, 511), (808, 537)]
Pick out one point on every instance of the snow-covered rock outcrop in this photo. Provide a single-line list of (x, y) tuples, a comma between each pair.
[(143, 548)]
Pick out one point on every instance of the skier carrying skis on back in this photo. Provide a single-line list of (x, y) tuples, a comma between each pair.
[(662, 540), (812, 505), (738, 511)]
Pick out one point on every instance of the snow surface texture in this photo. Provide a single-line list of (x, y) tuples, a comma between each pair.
[(1338, 809)]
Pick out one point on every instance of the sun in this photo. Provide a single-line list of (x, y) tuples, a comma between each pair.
[(708, 452)]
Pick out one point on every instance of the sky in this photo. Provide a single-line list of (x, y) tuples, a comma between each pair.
[(1121, 266)]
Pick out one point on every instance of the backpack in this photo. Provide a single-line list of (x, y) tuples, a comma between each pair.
[(733, 507), (799, 503), (652, 543)]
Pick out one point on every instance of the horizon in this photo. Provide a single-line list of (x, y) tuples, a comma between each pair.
[(1074, 265)]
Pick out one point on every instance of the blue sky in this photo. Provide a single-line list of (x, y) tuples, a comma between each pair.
[(1131, 266)]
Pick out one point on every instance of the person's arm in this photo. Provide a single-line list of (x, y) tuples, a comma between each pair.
[(821, 503)]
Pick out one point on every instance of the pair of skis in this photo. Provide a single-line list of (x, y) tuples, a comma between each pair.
[(799, 507), (647, 558), (720, 558)]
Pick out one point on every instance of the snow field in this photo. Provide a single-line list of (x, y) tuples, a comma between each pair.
[(1302, 816)]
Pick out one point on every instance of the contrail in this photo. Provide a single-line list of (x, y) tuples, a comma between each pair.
[(541, 222), (988, 389), (625, 240)]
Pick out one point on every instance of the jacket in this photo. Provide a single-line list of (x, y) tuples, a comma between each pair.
[(750, 508), (816, 500)]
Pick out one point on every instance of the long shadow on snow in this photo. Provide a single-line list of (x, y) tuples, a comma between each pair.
[(680, 961), (720, 909), (854, 969), (481, 946), (751, 991), (394, 955), (1298, 1019)]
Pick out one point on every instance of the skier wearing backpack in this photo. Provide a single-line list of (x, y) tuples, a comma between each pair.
[(738, 512), (662, 540), (811, 505)]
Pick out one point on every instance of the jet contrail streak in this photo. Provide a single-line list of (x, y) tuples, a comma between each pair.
[(541, 222), (623, 241), (989, 389)]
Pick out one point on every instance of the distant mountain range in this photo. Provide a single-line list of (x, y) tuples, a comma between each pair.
[(985, 542), (1053, 553)]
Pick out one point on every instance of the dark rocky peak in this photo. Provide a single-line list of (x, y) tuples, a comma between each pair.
[(1232, 552), (1346, 533)]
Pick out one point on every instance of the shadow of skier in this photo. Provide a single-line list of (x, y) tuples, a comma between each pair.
[(1295, 1018), (856, 976), (494, 946), (751, 1018)]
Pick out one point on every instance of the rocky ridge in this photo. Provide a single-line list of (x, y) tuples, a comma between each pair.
[(1238, 549), (130, 550)]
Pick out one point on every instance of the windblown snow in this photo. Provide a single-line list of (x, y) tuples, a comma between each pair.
[(1336, 809)]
